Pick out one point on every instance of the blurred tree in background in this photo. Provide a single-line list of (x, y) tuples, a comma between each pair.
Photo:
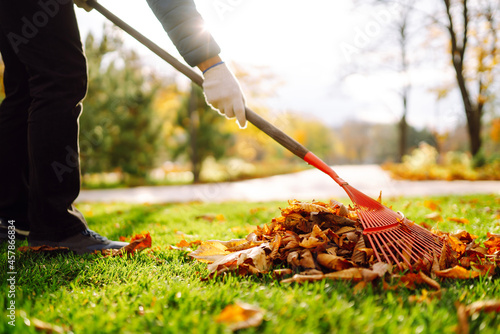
[(473, 28), (202, 134), (119, 129)]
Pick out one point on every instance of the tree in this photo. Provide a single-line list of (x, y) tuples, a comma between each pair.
[(394, 52), (473, 33), (202, 134), (119, 129)]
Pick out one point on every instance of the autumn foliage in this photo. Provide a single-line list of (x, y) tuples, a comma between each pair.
[(316, 241)]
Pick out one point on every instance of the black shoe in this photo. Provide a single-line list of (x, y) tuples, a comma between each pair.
[(20, 232), (84, 242)]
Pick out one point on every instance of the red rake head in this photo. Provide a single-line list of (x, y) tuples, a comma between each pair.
[(394, 238)]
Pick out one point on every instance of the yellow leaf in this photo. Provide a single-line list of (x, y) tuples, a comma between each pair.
[(240, 315), (457, 272)]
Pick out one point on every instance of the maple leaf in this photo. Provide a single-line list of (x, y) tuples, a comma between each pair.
[(138, 243), (240, 315)]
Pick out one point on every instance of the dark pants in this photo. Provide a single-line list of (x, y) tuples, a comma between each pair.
[(45, 80)]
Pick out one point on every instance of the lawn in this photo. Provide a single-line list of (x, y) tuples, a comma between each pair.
[(160, 291)]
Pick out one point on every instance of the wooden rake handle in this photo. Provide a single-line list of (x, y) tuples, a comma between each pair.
[(272, 131)]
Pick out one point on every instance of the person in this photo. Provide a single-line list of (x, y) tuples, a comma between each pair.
[(45, 80)]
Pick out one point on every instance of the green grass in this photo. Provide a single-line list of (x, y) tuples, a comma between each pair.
[(164, 294)]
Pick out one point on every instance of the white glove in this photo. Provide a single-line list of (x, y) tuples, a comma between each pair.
[(83, 4), (223, 93)]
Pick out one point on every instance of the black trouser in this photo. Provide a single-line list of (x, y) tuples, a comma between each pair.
[(45, 80)]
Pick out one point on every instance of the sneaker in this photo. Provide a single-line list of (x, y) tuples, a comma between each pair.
[(21, 232), (86, 241)]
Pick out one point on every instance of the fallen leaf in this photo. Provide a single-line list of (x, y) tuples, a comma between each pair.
[(278, 274), (484, 306), (255, 257), (463, 319), (354, 274), (138, 243), (459, 220), (359, 287), (432, 283), (426, 296), (493, 243), (297, 278), (333, 262), (457, 272), (240, 315), (43, 326), (434, 216), (183, 243), (43, 249), (432, 205)]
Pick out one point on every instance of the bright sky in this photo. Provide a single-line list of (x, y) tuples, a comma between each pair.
[(303, 45)]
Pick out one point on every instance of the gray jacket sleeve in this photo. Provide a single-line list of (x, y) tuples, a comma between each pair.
[(183, 24)]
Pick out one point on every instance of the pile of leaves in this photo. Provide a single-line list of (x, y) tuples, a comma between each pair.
[(317, 240)]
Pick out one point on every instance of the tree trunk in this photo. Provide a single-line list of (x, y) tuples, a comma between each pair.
[(403, 135), (193, 131), (473, 112)]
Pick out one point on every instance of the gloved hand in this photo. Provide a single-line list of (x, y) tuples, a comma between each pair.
[(223, 93), (83, 4)]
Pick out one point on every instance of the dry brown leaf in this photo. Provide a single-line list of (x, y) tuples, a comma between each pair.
[(253, 257), (43, 326), (240, 315), (333, 262), (278, 274), (484, 306), (306, 259), (434, 216), (354, 274), (42, 249), (432, 283), (359, 287), (463, 319), (297, 278)]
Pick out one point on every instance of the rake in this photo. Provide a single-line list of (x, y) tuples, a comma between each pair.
[(394, 238)]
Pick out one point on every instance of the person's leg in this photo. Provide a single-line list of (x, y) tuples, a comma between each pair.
[(44, 36), (13, 142)]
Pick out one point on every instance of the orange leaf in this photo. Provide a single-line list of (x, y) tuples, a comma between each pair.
[(456, 245), (240, 315), (138, 243), (183, 243), (493, 243), (457, 272), (459, 220), (432, 205)]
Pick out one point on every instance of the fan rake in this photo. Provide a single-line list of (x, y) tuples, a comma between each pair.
[(393, 237)]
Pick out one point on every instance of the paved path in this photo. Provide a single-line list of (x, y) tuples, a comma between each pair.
[(306, 185)]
